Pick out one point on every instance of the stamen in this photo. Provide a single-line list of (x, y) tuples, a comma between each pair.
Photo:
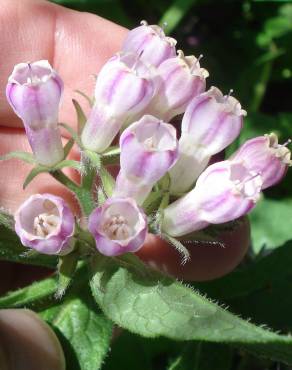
[(285, 144), (197, 63), (117, 228), (229, 94), (137, 60), (30, 78), (144, 23)]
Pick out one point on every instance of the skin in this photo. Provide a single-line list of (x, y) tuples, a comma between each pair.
[(76, 45)]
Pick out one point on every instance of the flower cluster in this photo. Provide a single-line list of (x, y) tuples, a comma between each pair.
[(167, 183)]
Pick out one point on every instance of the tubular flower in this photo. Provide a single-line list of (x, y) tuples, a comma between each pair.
[(44, 222), (118, 226), (265, 156), (224, 191), (34, 92), (124, 88), (182, 80), (151, 43), (149, 148), (211, 122)]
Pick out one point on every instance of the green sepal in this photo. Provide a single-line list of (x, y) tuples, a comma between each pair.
[(74, 134), (178, 246), (107, 181), (66, 269), (81, 117), (24, 156), (68, 147), (86, 97)]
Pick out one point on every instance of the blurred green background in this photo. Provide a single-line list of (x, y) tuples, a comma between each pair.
[(247, 47)]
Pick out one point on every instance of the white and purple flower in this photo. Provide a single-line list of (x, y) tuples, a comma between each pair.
[(149, 148), (44, 222), (118, 226), (34, 92), (225, 191), (182, 80), (264, 155), (211, 122), (124, 88), (150, 42)]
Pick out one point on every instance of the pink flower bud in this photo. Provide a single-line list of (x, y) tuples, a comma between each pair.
[(124, 87), (119, 226), (266, 157), (225, 191), (44, 222), (34, 92), (151, 43), (149, 148), (182, 80), (211, 122)]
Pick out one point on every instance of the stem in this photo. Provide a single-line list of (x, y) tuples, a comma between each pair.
[(84, 195)]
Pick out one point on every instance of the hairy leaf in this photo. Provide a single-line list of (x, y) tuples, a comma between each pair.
[(147, 303)]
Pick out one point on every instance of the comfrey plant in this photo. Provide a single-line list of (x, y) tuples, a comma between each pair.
[(167, 183)]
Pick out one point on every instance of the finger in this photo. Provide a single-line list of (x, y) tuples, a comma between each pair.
[(207, 262), (27, 342), (13, 173), (75, 43)]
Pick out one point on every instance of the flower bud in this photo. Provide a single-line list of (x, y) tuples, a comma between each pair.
[(266, 157), (149, 148), (119, 226), (151, 43), (211, 122), (44, 222), (182, 80), (225, 191), (124, 87), (34, 92)]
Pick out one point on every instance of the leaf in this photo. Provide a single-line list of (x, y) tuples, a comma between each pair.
[(84, 332), (32, 296), (175, 13), (196, 356), (6, 219), (152, 305), (12, 250), (24, 156), (269, 226), (260, 274), (81, 117)]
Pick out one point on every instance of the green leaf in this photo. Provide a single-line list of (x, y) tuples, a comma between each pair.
[(24, 156), (196, 356), (81, 117), (12, 250), (6, 219), (33, 296), (260, 274), (152, 305), (175, 13), (270, 228), (84, 332)]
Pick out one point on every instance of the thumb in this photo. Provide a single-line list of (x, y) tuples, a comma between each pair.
[(27, 342)]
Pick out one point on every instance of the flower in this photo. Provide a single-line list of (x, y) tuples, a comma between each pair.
[(124, 87), (151, 43), (34, 92), (182, 80), (265, 156), (225, 191), (149, 148), (211, 122), (118, 226), (44, 222)]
